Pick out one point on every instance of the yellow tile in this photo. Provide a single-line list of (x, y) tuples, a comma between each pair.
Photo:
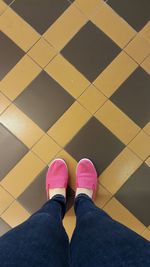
[(119, 213), (5, 199), (138, 48), (65, 27), (46, 148), (121, 168), (69, 124), (21, 125), (67, 76), (92, 99), (21, 176), (4, 102), (88, 7), (115, 74), (113, 25), (42, 52), (145, 32), (146, 65), (15, 214), (71, 163), (69, 222), (19, 77), (148, 161), (117, 122), (147, 128), (141, 145), (3, 7), (146, 234), (18, 30), (102, 196)]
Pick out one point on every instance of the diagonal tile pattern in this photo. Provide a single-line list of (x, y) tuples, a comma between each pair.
[(90, 51), (10, 54), (75, 83), (41, 97)]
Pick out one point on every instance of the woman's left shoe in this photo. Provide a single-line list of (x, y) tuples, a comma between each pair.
[(56, 178)]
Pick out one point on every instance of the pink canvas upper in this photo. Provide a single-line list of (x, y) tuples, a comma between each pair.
[(57, 175), (86, 175)]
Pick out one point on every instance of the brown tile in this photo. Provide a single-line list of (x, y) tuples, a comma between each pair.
[(140, 145), (4, 227), (121, 168), (115, 74), (12, 150), (113, 25), (136, 15), (20, 31), (138, 48), (17, 180), (90, 51), (4, 102), (119, 213), (40, 99), (46, 148), (5, 199), (20, 125), (10, 54), (132, 97), (92, 99), (60, 69), (42, 52), (135, 194), (146, 64), (55, 34), (20, 214), (96, 142), (127, 129), (34, 196), (15, 81), (69, 124), (40, 15)]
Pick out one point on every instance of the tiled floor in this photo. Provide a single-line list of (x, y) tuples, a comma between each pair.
[(75, 83)]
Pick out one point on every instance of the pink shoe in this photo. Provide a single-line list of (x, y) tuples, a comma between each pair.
[(86, 175), (57, 175)]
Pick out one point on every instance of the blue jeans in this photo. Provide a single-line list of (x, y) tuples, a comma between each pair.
[(97, 241)]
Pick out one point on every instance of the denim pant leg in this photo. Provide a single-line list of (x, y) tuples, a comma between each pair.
[(100, 241), (40, 241)]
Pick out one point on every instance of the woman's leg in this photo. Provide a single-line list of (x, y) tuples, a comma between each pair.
[(39, 241), (100, 241)]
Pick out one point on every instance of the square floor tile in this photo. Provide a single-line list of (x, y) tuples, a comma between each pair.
[(40, 14), (12, 150), (96, 142), (34, 195), (10, 54), (133, 97), (136, 13), (44, 100), (4, 227), (135, 194), (90, 51)]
